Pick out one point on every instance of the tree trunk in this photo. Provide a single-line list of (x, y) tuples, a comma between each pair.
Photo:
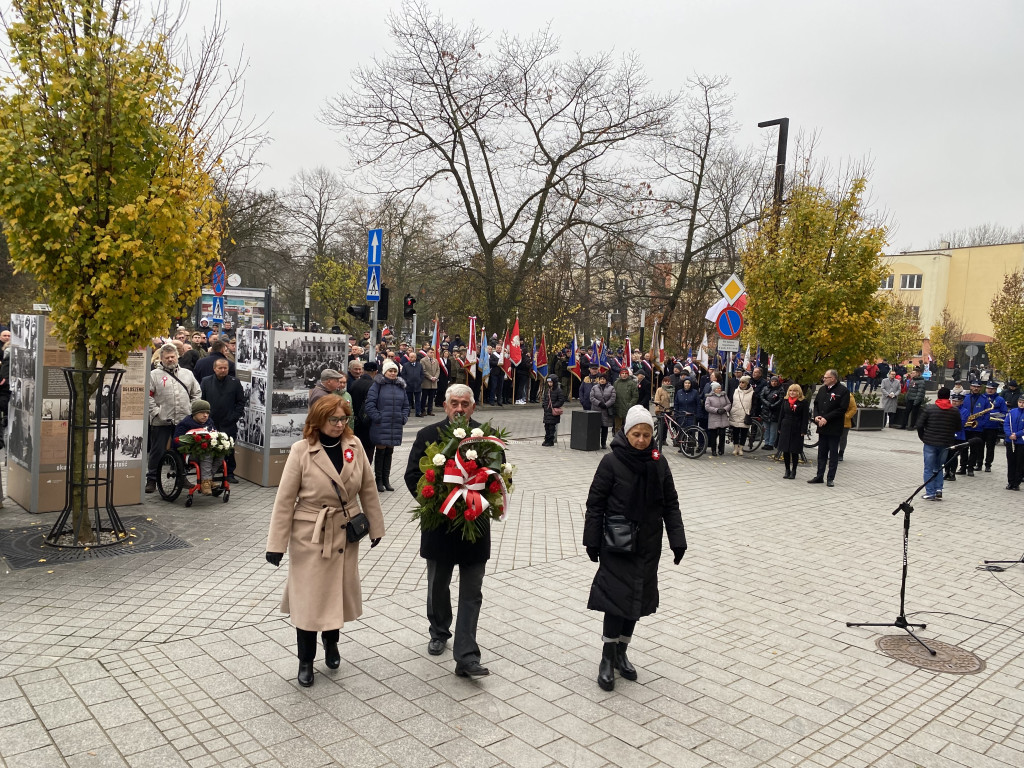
[(80, 521)]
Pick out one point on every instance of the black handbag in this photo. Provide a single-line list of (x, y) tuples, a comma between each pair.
[(619, 535), (357, 527)]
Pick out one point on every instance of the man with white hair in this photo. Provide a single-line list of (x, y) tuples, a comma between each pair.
[(443, 549)]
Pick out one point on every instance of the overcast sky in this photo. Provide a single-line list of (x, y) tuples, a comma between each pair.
[(929, 91)]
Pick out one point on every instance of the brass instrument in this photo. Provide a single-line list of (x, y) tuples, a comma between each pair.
[(972, 420)]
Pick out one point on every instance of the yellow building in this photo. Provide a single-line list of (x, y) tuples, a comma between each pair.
[(963, 279)]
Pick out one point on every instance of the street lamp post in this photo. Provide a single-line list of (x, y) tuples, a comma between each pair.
[(780, 158)]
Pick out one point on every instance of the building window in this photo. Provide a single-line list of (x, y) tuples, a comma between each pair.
[(886, 284), (602, 284), (910, 282), (915, 312)]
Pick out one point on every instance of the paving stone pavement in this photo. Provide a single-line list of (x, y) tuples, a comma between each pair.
[(180, 658)]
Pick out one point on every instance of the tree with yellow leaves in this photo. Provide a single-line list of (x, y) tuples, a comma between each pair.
[(812, 278), (944, 338), (1006, 352), (899, 333), (107, 195)]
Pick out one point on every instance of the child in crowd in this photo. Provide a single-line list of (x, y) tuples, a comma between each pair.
[(198, 422)]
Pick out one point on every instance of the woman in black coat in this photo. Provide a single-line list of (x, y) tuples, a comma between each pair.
[(553, 398), (633, 483), (792, 425)]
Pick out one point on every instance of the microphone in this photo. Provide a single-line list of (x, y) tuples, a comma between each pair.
[(967, 444)]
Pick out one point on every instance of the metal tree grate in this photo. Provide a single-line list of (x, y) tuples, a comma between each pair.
[(24, 547)]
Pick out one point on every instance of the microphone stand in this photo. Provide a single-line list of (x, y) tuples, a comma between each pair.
[(1006, 562), (900, 621)]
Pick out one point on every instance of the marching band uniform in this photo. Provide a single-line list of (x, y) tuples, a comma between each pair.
[(1013, 425), (994, 421), (974, 403)]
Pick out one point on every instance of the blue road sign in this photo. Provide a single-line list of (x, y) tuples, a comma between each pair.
[(730, 323), (373, 282), (374, 245), (217, 313)]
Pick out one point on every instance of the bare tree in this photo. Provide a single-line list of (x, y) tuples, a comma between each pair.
[(981, 234), (517, 144)]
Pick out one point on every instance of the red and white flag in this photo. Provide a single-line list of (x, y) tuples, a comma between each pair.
[(747, 364), (471, 350), (516, 352), (506, 358), (628, 355)]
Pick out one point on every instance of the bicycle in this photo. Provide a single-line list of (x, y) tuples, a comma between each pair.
[(691, 439), (755, 434)]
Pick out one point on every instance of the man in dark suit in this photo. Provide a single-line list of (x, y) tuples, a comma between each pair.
[(227, 404), (443, 549), (830, 404)]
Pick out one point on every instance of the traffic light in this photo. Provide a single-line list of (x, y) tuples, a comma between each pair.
[(410, 306), (360, 312), (382, 305)]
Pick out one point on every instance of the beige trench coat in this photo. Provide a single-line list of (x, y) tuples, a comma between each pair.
[(323, 590)]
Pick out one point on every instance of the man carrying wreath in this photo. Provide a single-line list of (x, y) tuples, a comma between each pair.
[(444, 548)]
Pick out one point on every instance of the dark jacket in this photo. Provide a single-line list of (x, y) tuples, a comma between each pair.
[(554, 397), (771, 402), (627, 584), (643, 388), (915, 391), (204, 367), (441, 543), (831, 403), (585, 386), (412, 373), (189, 423), (189, 359), (227, 402), (687, 402), (939, 423), (388, 408), (358, 389), (792, 425)]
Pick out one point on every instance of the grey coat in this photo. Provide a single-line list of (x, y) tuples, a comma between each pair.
[(602, 399), (889, 387), (717, 408)]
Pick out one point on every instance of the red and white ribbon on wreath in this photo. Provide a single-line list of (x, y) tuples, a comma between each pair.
[(468, 487)]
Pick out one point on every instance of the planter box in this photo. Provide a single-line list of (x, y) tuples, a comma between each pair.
[(866, 419), (899, 419)]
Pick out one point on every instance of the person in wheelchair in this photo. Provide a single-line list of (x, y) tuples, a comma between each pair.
[(199, 421)]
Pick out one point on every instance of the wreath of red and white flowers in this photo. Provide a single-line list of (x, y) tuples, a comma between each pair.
[(465, 479)]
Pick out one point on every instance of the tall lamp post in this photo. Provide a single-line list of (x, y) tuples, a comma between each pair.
[(780, 158)]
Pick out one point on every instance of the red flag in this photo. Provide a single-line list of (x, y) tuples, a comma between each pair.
[(506, 360), (515, 353), (471, 350), (542, 356), (628, 355)]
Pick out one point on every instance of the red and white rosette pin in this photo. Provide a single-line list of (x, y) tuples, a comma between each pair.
[(349, 455)]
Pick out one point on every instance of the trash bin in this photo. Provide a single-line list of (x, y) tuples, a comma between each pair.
[(586, 431)]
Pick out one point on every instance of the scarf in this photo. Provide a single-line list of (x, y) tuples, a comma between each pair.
[(792, 403), (646, 484), (944, 404)]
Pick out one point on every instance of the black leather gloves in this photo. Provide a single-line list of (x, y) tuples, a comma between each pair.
[(678, 552), (274, 558), (594, 553)]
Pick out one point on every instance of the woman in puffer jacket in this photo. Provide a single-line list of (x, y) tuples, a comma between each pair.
[(602, 399), (716, 405), (388, 409)]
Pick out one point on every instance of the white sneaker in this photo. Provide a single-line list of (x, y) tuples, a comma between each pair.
[(520, 402)]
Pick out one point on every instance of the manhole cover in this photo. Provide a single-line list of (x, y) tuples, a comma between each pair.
[(24, 548), (947, 658)]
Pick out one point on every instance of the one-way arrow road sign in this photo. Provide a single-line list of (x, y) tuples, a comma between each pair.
[(374, 245)]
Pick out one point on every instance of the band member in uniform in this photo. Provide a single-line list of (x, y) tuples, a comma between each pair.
[(993, 422), (1013, 431), (973, 410)]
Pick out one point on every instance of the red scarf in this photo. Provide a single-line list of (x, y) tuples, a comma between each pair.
[(944, 404), (792, 403)]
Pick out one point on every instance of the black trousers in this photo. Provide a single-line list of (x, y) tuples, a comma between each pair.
[(828, 454), (549, 433), (439, 606), (617, 628), (912, 411), (716, 439), (305, 639), (604, 437), (977, 449), (158, 439), (1014, 464), (364, 438), (791, 459), (992, 436)]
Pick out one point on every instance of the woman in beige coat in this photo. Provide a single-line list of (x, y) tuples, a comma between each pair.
[(742, 408), (326, 472)]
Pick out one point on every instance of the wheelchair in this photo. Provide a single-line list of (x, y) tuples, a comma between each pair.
[(177, 469)]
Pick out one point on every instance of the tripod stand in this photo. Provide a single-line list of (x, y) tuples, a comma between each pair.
[(906, 508)]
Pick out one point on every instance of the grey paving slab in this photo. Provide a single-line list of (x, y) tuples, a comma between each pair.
[(182, 658)]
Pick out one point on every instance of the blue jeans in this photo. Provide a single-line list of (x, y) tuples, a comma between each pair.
[(771, 433), (934, 458)]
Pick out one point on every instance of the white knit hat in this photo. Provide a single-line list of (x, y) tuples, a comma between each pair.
[(637, 415), (389, 364)]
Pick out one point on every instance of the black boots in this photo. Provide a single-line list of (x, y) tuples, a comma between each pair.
[(606, 672), (622, 663), (378, 469), (305, 674), (332, 656), (386, 472)]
